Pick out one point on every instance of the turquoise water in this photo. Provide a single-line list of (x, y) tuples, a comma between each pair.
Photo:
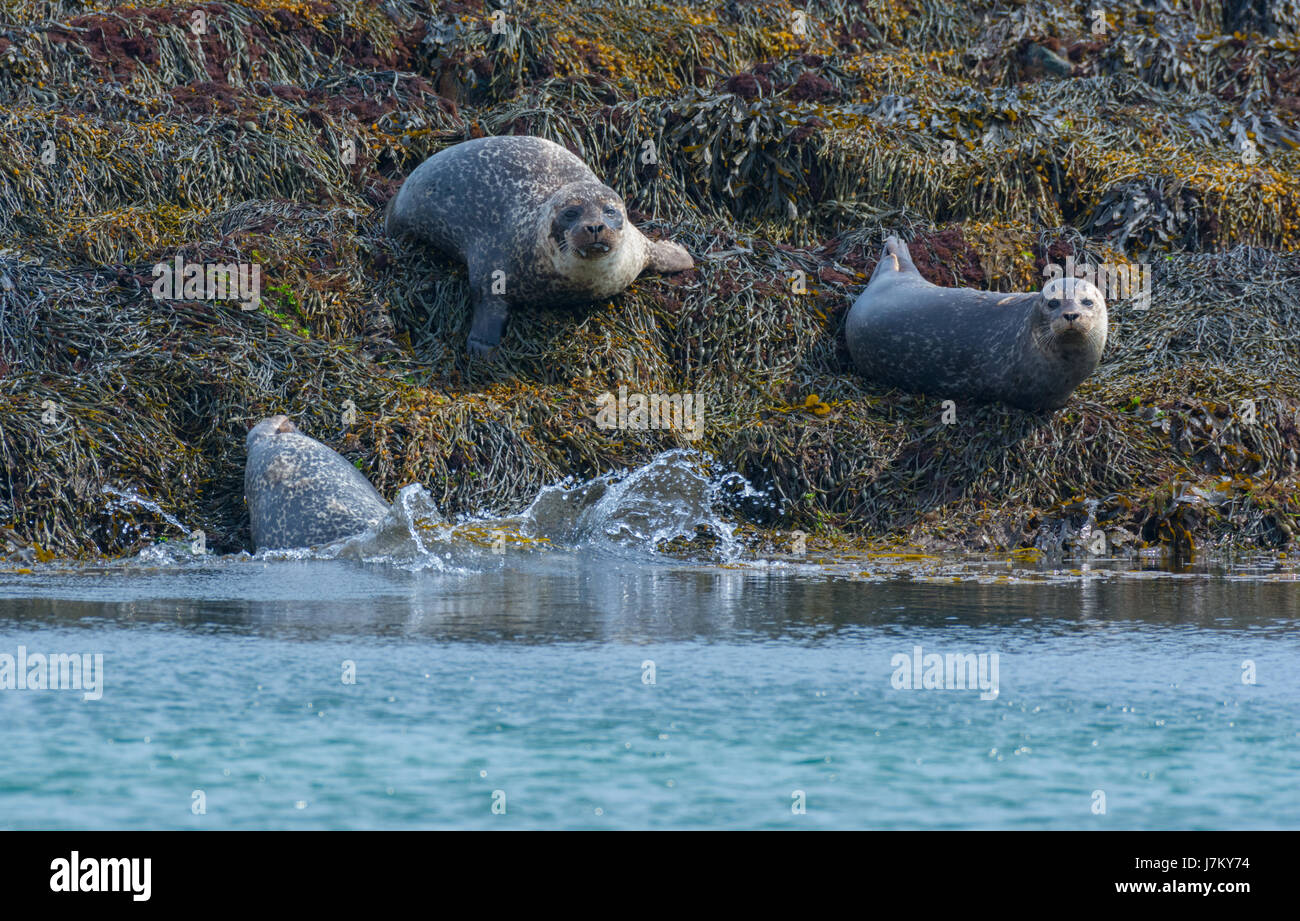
[(523, 680)]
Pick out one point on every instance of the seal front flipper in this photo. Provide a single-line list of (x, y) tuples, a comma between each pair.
[(489, 323), (664, 257)]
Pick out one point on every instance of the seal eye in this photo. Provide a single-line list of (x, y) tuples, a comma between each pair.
[(611, 211), (1087, 302), (1054, 303), (571, 214)]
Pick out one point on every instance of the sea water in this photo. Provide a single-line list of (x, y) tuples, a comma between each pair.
[(560, 669)]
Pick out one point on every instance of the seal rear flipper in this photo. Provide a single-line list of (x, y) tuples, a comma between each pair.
[(895, 257), (666, 257), (490, 313)]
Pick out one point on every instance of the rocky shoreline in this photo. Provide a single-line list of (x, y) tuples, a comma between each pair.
[(777, 143)]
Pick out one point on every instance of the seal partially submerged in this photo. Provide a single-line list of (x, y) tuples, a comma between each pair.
[(302, 494), (1029, 350), (532, 223)]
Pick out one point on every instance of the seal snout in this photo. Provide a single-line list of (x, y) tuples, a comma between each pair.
[(596, 243), (1074, 325), (593, 240), (1075, 322)]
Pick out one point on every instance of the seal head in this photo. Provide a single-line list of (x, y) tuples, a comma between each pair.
[(1071, 320), (301, 493), (275, 425), (586, 220)]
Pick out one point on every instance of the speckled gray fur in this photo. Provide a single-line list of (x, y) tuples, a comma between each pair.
[(528, 208), (302, 494), (1028, 350)]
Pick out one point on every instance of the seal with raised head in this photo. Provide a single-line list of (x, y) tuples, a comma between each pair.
[(1029, 350), (532, 223), (301, 493)]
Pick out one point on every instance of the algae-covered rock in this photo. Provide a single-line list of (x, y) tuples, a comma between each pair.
[(778, 142)]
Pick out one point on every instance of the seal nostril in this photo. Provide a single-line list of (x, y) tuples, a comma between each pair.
[(1070, 317), (595, 229)]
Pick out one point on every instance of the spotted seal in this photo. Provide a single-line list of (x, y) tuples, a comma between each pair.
[(531, 222), (1029, 350), (302, 494)]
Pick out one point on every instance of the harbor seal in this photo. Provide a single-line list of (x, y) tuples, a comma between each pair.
[(1028, 350), (531, 222), (302, 494)]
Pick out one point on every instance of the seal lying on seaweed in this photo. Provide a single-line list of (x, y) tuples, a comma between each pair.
[(1029, 350), (532, 223), (302, 494)]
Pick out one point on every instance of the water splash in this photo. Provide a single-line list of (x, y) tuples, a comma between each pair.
[(676, 502), (164, 552), (413, 534), (124, 498), (1083, 539), (677, 496)]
